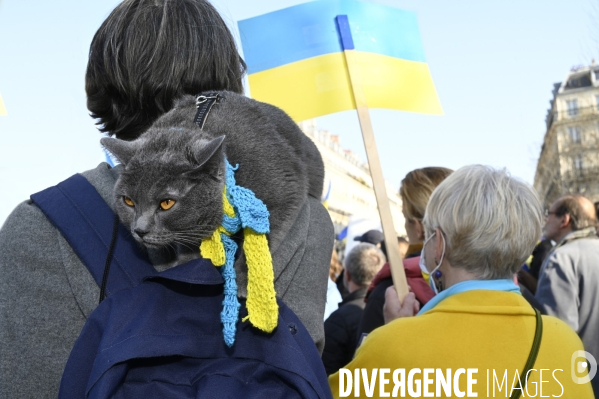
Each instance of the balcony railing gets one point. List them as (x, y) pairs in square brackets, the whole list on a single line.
[(588, 173), (575, 113)]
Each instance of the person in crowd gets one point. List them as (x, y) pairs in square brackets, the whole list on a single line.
[(569, 276), (361, 265), (414, 191), (374, 237), (333, 294), (478, 321), (145, 55), (404, 244), (529, 275)]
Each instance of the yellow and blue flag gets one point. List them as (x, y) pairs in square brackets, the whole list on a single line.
[(325, 199), (295, 59), (2, 108)]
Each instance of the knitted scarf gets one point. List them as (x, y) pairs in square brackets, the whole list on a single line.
[(242, 210)]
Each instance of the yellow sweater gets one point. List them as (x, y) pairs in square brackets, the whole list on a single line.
[(491, 331)]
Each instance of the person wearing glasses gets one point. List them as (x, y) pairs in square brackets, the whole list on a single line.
[(480, 225), (569, 276)]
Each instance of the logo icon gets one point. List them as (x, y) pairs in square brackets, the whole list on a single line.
[(583, 363)]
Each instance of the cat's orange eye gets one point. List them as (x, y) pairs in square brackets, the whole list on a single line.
[(167, 204), (128, 201)]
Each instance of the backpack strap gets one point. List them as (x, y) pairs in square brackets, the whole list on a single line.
[(532, 357), (76, 209)]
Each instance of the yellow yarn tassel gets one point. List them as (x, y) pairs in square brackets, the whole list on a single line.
[(212, 248), (263, 310), (261, 304)]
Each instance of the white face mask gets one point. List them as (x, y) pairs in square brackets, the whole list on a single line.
[(422, 263)]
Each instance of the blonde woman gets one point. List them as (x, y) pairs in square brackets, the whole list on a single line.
[(416, 188), (480, 225)]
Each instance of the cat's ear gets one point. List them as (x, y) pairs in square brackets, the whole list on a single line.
[(121, 149), (203, 152)]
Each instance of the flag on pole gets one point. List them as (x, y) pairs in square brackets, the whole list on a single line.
[(295, 59), (2, 108), (325, 199)]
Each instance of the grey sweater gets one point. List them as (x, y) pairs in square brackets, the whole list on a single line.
[(46, 293)]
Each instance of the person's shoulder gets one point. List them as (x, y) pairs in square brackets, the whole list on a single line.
[(23, 216), (575, 252), (336, 318), (409, 330), (378, 292), (27, 215), (405, 327), (588, 244), (575, 246), (103, 177), (561, 333), (353, 308)]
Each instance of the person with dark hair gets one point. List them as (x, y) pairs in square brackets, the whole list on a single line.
[(569, 276), (374, 237), (130, 83), (145, 55)]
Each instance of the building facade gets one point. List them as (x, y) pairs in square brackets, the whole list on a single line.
[(569, 159), (348, 184)]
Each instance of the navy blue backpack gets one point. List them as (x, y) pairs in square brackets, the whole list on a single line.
[(158, 334)]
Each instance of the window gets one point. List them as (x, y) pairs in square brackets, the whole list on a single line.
[(583, 80), (574, 133), (578, 163), (572, 107)]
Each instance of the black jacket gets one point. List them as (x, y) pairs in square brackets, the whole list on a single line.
[(372, 316), (340, 331)]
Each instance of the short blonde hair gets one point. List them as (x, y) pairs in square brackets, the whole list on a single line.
[(491, 221), (417, 187)]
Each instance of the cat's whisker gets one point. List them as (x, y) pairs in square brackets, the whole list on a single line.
[(189, 242), (188, 246)]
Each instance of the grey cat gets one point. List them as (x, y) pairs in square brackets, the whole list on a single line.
[(170, 191)]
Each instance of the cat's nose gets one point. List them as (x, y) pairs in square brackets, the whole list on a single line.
[(141, 232)]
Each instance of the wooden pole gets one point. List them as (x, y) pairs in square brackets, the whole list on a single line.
[(380, 191)]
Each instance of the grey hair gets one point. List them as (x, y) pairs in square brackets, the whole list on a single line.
[(491, 221), (363, 263)]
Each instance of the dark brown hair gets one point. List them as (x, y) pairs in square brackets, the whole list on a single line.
[(147, 53)]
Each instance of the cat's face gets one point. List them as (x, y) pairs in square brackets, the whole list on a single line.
[(169, 192)]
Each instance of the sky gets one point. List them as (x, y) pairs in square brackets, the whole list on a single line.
[(493, 62)]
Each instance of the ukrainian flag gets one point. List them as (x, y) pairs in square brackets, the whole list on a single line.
[(295, 59), (2, 108), (325, 199)]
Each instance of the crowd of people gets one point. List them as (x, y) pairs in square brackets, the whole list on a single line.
[(494, 283), (482, 232)]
